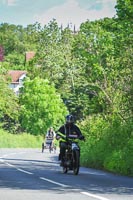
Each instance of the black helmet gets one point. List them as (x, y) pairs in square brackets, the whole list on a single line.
[(69, 119)]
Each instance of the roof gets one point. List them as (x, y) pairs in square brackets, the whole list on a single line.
[(29, 55), (15, 75)]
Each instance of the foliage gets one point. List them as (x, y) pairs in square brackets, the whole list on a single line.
[(41, 106), (124, 9), (23, 140), (9, 106), (108, 145)]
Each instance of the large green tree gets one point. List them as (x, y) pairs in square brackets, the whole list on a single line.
[(41, 106), (9, 106)]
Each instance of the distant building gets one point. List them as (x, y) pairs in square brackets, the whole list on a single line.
[(29, 55), (1, 54), (17, 78)]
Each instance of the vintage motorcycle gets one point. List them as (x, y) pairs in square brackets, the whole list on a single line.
[(72, 154)]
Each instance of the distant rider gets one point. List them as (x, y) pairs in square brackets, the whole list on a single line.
[(50, 135)]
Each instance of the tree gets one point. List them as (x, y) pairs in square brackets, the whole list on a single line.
[(9, 107), (54, 56), (104, 48), (124, 51), (124, 9), (41, 106)]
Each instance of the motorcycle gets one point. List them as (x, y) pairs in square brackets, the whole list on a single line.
[(72, 155)]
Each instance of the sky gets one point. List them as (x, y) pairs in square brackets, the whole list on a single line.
[(72, 12)]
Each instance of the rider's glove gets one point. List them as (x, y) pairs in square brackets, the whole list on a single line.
[(57, 137), (81, 137)]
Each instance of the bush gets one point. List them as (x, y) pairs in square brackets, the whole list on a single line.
[(109, 144), (120, 161)]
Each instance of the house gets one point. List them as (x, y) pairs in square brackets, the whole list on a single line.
[(29, 55), (17, 78)]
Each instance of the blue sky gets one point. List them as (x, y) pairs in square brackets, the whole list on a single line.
[(24, 12)]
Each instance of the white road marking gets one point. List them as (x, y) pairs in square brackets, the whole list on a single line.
[(18, 168), (9, 164), (94, 196), (57, 183), (24, 171)]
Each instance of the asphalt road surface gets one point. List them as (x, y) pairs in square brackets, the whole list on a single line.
[(33, 175)]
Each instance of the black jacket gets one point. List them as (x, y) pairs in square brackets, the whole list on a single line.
[(70, 129)]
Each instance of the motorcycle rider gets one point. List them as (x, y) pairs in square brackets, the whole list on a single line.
[(69, 128)]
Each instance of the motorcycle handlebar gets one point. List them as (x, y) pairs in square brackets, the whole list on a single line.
[(82, 137), (71, 137)]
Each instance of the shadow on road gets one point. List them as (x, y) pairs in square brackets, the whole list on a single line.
[(96, 182)]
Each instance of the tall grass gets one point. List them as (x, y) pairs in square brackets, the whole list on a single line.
[(8, 140)]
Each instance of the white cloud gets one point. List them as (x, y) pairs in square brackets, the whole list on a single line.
[(11, 2), (106, 11), (71, 12), (106, 1)]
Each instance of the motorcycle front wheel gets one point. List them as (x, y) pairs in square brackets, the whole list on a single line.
[(76, 157)]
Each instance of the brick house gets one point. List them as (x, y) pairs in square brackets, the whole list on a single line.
[(17, 78)]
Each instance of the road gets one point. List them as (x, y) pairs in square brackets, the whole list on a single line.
[(30, 174)]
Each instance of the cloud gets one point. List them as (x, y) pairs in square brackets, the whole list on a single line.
[(71, 12), (10, 2), (107, 1)]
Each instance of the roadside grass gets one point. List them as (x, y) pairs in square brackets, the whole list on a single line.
[(24, 140)]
